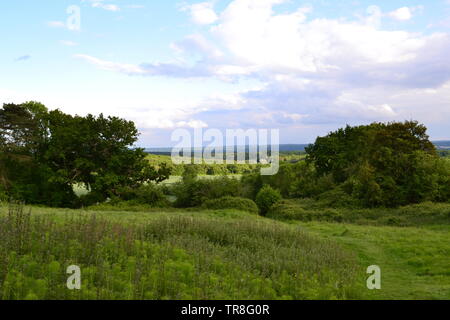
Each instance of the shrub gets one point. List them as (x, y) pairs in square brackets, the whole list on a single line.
[(152, 195), (193, 192), (90, 199), (426, 213), (149, 194), (237, 203), (251, 184), (288, 210), (292, 210), (3, 195), (190, 172), (338, 198), (266, 198)]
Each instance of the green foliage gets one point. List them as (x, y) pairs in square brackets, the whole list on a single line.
[(148, 194), (339, 152), (201, 169), (381, 164), (190, 172), (312, 210), (444, 153), (23, 139), (427, 179), (193, 192), (290, 210), (44, 153), (169, 257), (3, 195), (237, 203), (292, 180), (266, 198), (338, 198)]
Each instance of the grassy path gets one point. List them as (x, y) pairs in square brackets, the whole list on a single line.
[(414, 262)]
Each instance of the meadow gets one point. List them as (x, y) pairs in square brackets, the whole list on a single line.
[(214, 254), (225, 255)]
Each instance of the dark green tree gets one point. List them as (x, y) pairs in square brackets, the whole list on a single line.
[(381, 164), (43, 154)]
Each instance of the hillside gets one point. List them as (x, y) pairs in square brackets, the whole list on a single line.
[(222, 254)]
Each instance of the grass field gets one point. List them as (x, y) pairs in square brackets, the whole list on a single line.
[(224, 254), (414, 262)]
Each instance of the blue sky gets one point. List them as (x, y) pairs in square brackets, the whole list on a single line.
[(304, 67)]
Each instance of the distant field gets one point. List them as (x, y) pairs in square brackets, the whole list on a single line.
[(174, 179)]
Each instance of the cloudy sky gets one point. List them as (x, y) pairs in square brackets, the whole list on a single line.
[(305, 67)]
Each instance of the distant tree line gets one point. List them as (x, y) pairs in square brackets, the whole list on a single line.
[(374, 165)]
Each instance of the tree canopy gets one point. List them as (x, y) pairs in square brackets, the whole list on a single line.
[(44, 153), (382, 164)]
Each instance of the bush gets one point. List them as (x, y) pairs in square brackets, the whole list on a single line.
[(288, 210), (190, 172), (149, 194), (293, 210), (90, 199), (426, 213), (193, 192), (338, 198), (237, 203), (266, 198), (152, 195), (3, 195)]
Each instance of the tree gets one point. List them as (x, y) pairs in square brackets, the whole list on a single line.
[(266, 198), (23, 137), (60, 150), (381, 164)]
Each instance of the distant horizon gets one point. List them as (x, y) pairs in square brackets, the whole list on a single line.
[(435, 142)]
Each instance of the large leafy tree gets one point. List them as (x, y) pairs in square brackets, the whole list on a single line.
[(60, 150), (23, 138), (381, 164)]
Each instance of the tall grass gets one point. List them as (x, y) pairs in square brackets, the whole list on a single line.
[(170, 257), (426, 213)]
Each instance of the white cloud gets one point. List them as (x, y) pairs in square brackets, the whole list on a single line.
[(197, 44), (202, 13), (405, 13), (102, 5), (401, 14), (315, 71), (194, 124), (112, 66), (108, 7)]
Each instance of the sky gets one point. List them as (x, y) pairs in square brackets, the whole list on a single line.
[(303, 67)]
